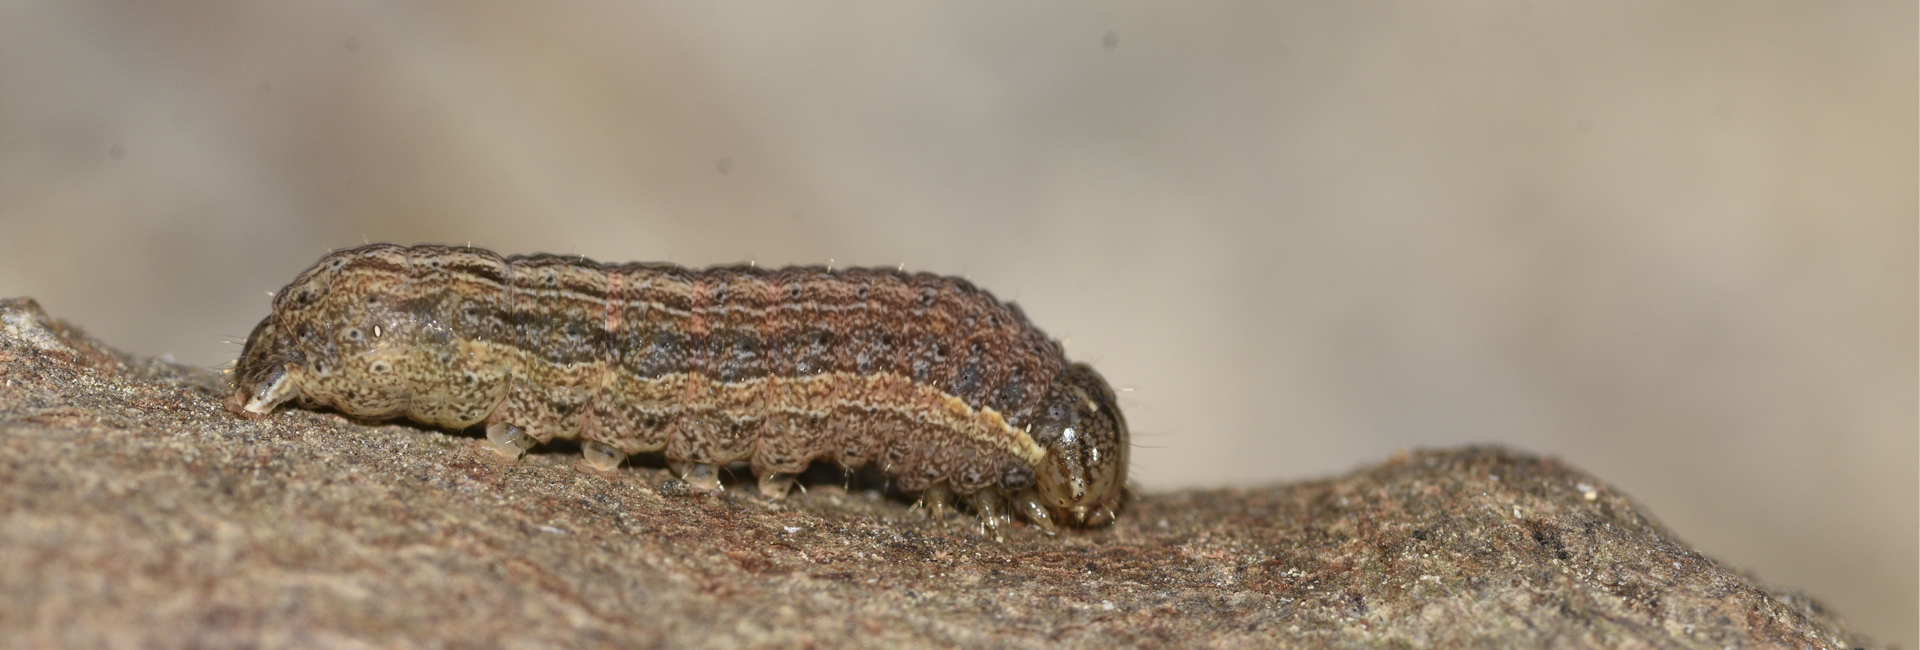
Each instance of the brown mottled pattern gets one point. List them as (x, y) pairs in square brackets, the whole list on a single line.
[(933, 380)]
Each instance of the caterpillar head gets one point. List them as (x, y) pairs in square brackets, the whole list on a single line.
[(1085, 471), (260, 378)]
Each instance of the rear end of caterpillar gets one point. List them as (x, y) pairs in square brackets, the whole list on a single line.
[(949, 392)]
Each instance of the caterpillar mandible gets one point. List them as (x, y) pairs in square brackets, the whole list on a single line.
[(946, 389)]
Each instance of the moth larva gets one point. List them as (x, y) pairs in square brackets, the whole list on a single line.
[(944, 388)]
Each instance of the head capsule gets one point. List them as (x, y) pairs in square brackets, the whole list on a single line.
[(260, 377), (1085, 471)]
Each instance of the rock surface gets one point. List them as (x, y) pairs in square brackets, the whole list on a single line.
[(135, 511)]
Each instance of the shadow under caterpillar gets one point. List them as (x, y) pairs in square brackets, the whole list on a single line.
[(945, 389)]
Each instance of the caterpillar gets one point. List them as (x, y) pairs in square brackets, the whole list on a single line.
[(947, 390)]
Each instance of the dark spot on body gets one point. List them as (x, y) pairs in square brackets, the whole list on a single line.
[(973, 476), (1016, 477), (967, 381)]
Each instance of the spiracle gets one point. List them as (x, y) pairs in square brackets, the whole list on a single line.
[(940, 386)]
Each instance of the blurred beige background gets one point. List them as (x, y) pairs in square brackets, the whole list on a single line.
[(1672, 244)]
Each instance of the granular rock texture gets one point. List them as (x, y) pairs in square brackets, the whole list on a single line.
[(136, 511)]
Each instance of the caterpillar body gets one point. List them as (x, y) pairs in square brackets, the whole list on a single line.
[(945, 389)]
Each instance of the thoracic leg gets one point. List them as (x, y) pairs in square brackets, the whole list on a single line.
[(992, 509), (508, 440), (938, 500), (1029, 504)]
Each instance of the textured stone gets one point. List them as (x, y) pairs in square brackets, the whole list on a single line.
[(136, 511)]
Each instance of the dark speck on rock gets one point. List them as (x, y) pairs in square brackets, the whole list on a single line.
[(674, 487)]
